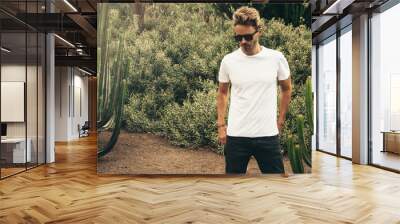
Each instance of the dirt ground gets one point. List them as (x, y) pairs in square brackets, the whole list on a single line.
[(143, 153)]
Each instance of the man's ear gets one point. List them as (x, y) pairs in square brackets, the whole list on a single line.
[(261, 29), (259, 33)]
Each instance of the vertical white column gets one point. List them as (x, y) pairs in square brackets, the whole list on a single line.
[(50, 93), (360, 90)]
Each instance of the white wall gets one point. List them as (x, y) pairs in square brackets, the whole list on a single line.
[(62, 81), (80, 104), (13, 100), (12, 73), (71, 94)]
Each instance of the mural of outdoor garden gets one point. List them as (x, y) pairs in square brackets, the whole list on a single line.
[(158, 65)]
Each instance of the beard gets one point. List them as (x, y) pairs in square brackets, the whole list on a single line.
[(247, 47)]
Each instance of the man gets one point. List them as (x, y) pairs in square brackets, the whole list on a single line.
[(252, 71)]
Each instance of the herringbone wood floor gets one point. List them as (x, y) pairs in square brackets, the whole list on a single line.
[(70, 191)]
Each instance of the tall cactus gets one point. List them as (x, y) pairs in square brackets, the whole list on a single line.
[(295, 159), (117, 123), (102, 39), (111, 89), (115, 102), (301, 152), (305, 151), (298, 156), (309, 104)]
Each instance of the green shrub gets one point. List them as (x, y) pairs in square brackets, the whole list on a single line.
[(135, 119), (193, 124), (294, 43)]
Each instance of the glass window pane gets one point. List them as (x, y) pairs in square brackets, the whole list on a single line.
[(14, 153), (327, 95), (385, 88), (346, 92), (23, 87)]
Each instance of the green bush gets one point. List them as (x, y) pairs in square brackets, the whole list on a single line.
[(294, 43), (135, 119), (193, 124)]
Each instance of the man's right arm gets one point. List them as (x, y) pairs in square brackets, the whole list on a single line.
[(222, 103)]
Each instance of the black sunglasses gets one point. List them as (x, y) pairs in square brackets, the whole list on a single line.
[(247, 37)]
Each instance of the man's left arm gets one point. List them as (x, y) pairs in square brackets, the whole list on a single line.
[(286, 93)]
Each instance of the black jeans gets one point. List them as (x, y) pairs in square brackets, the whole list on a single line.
[(266, 150)]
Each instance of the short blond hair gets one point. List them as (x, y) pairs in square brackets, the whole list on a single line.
[(247, 16)]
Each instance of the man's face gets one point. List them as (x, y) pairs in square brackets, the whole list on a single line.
[(247, 45)]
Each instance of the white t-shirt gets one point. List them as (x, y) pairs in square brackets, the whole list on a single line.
[(253, 104)]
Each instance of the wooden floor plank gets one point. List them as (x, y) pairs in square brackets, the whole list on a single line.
[(70, 191)]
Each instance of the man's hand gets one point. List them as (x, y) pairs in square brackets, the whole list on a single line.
[(222, 135)]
